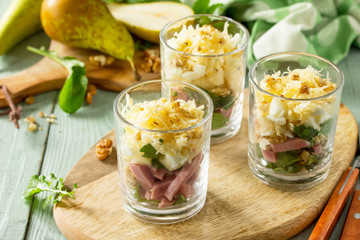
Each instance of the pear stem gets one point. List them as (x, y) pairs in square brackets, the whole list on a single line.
[(136, 74)]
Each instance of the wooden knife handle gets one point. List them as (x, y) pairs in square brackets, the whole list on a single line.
[(335, 205), (351, 229)]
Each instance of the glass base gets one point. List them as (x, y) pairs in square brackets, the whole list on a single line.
[(172, 214), (288, 182)]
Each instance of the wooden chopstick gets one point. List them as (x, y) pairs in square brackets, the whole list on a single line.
[(334, 207)]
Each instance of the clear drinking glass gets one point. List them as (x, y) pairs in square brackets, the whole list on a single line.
[(163, 173), (212, 58), (290, 139)]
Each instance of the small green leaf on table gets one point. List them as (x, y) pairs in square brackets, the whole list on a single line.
[(72, 94)]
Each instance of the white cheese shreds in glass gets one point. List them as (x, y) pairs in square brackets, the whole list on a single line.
[(209, 66), (175, 149)]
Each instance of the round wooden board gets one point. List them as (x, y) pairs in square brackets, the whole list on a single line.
[(238, 206)]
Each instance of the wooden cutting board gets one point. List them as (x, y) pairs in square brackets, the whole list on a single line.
[(47, 75), (238, 206)]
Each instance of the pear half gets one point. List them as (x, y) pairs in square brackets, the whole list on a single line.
[(147, 19)]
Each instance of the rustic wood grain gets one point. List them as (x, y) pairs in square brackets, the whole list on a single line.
[(351, 230), (21, 153), (67, 141), (47, 75), (237, 206)]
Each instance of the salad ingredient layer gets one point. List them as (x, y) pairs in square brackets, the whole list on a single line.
[(162, 166), (204, 62), (292, 135)]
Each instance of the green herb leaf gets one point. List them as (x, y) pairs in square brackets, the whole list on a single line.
[(143, 45), (288, 162), (149, 151), (51, 184), (161, 141), (219, 7), (181, 199), (137, 194), (224, 102), (72, 94), (304, 132), (326, 127), (200, 6), (218, 121)]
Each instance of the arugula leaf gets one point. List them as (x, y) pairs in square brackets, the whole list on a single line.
[(72, 94), (218, 121), (225, 102), (325, 128), (51, 184), (137, 194), (149, 151), (200, 6), (181, 199), (305, 133), (143, 44), (204, 7), (288, 162)]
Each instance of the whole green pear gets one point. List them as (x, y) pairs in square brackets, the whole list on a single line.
[(86, 24), (21, 19)]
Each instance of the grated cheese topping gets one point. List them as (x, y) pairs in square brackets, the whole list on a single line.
[(225, 73), (298, 84), (164, 115), (204, 40)]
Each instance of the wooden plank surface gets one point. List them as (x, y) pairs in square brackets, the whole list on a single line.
[(232, 209)]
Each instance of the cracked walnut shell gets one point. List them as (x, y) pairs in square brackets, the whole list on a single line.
[(103, 149)]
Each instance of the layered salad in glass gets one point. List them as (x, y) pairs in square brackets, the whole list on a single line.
[(162, 167), (291, 135), (212, 58)]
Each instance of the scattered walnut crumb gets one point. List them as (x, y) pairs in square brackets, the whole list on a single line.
[(51, 120), (101, 60), (32, 127), (30, 119), (32, 124), (52, 116), (222, 91), (151, 61), (305, 155), (275, 139), (304, 89), (103, 149), (29, 100), (90, 92), (40, 128), (41, 114)]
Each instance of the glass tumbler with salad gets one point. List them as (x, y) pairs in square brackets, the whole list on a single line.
[(293, 110), (209, 52), (163, 144)]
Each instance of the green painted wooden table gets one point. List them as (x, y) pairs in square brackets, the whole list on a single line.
[(57, 147)]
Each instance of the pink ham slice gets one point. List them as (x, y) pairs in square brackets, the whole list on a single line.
[(269, 155), (317, 148), (160, 187), (185, 174), (226, 113), (165, 203), (159, 173), (186, 190), (143, 175), (290, 144)]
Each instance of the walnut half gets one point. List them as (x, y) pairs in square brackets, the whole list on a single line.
[(103, 149)]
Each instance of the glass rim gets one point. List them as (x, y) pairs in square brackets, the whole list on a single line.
[(244, 41), (294, 53), (123, 93)]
